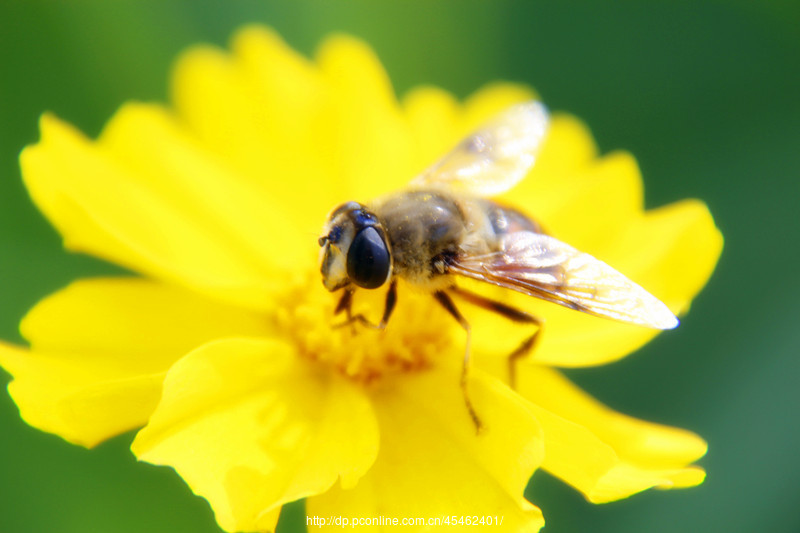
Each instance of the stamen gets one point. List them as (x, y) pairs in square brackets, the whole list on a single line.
[(414, 337)]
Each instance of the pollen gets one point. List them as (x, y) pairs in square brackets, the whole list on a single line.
[(416, 336)]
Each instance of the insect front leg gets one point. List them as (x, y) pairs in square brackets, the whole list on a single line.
[(451, 308), (346, 302), (513, 314), (345, 305)]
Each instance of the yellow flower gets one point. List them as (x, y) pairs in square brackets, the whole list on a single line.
[(222, 346)]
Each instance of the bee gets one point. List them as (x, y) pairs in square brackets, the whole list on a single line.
[(445, 227)]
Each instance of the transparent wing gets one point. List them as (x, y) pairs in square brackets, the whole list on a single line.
[(493, 159), (541, 266)]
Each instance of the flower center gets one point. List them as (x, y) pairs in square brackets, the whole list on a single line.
[(417, 333)]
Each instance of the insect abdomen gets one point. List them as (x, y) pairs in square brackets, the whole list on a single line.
[(507, 219)]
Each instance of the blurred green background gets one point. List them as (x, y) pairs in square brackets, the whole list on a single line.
[(705, 94)]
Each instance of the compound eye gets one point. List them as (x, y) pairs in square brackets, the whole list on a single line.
[(368, 259)]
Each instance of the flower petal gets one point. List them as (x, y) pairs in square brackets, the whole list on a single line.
[(100, 349), (434, 116), (85, 399), (140, 323), (606, 455), (147, 140), (568, 147), (376, 153), (296, 108), (589, 205), (489, 101), (672, 251), (104, 207), (431, 462), (250, 426), (268, 112)]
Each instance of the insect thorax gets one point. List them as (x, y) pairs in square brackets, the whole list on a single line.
[(423, 227)]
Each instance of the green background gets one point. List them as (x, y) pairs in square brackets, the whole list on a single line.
[(705, 94)]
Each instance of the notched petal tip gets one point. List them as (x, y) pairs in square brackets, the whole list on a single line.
[(250, 426), (198, 55), (500, 95), (492, 99), (605, 455), (84, 400), (355, 66), (625, 480), (48, 121), (52, 131), (681, 246), (256, 32), (686, 478), (347, 46)]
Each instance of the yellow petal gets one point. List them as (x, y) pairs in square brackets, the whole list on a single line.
[(83, 398), (373, 143), (606, 455), (568, 147), (671, 252), (431, 462), (210, 94), (250, 426), (491, 100), (147, 141), (434, 117), (105, 208), (298, 119), (100, 349), (587, 206), (268, 112), (143, 324)]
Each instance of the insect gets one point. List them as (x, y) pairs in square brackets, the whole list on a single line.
[(445, 226)]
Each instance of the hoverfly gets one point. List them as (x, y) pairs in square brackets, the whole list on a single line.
[(445, 226)]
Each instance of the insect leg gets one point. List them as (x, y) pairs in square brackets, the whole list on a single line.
[(388, 307), (345, 305), (346, 302), (448, 304), (513, 314)]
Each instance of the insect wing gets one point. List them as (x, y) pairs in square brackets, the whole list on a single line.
[(541, 266), (493, 159)]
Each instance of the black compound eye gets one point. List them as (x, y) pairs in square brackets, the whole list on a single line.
[(368, 259)]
